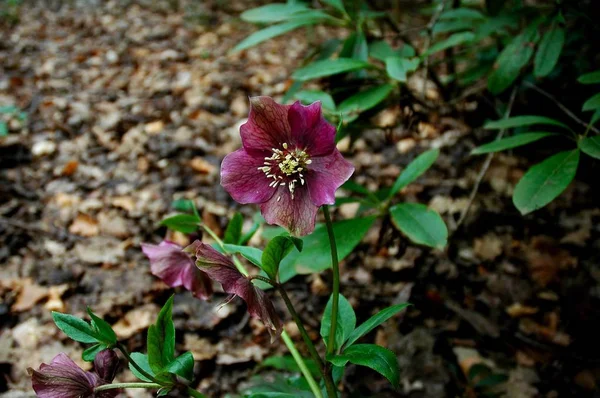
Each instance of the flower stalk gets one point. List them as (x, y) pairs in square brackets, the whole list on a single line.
[(336, 282), (126, 385), (124, 351)]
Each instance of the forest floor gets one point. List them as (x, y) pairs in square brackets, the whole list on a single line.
[(132, 107)]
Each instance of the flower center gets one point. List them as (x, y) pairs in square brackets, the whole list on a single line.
[(285, 167)]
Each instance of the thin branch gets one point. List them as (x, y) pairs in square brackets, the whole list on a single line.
[(430, 27), (486, 164)]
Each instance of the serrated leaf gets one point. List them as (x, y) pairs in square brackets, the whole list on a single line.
[(142, 361), (274, 31), (414, 170), (592, 103), (182, 366), (374, 321), (591, 146), (365, 100), (161, 339), (398, 67), (346, 321), (373, 356), (590, 78), (76, 328), (454, 40), (419, 224), (273, 12), (521, 121), (89, 354), (328, 68), (309, 96), (185, 223), (510, 142), (548, 51), (233, 233), (277, 249), (251, 254), (105, 332), (545, 181)]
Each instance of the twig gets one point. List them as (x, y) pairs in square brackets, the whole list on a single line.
[(428, 39), (560, 105), (486, 164)]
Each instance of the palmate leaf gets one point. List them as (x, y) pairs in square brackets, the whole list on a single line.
[(76, 328)]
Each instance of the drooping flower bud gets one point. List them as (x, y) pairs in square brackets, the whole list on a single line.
[(106, 365)]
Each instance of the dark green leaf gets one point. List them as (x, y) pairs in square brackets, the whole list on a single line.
[(329, 67), (273, 12), (398, 67), (509, 142), (374, 321), (373, 356), (590, 78), (104, 331), (183, 205), (337, 4), (545, 181), (419, 224), (252, 254), (185, 223), (182, 366), (381, 50), (161, 339), (310, 96), (355, 46), (365, 100), (520, 121), (492, 380), (3, 129), (233, 233), (277, 249), (142, 361), (414, 170), (462, 13), (591, 146), (316, 255), (592, 103), (452, 26), (345, 324), (274, 31), (548, 51), (76, 328), (90, 353), (452, 41)]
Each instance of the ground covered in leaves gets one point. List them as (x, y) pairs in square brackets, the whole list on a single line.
[(132, 106)]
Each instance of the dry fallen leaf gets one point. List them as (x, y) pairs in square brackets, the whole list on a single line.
[(84, 225)]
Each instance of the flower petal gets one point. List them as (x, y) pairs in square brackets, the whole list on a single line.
[(243, 180), (176, 268), (106, 364), (62, 378), (297, 215), (310, 130), (267, 126), (326, 174)]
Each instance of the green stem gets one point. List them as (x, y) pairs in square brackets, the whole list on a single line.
[(126, 385), (123, 349), (194, 393), (331, 392), (336, 282)]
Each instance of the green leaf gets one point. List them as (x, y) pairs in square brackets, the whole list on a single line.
[(346, 321), (397, 67), (520, 121), (355, 46), (329, 67), (273, 12), (414, 170), (142, 361), (509, 142), (545, 181), (161, 339), (233, 233), (461, 13), (548, 51), (277, 249), (337, 4), (309, 96), (592, 103), (76, 328), (103, 329), (373, 356), (251, 254), (419, 224), (183, 205), (590, 78), (316, 255), (591, 146), (381, 50), (182, 366), (274, 31), (185, 223), (90, 353), (452, 41), (453, 25), (365, 100), (374, 321), (3, 129)]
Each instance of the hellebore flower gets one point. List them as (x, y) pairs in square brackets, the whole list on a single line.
[(176, 268), (288, 164), (221, 269), (62, 378)]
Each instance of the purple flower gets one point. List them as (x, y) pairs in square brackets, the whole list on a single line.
[(222, 270), (288, 163), (176, 268), (62, 378)]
